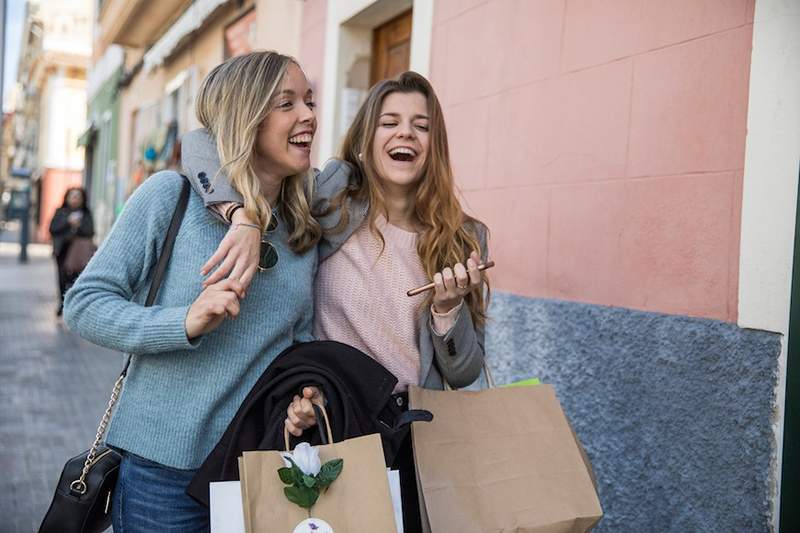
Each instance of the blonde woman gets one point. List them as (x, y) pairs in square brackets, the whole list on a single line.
[(414, 230), (196, 354)]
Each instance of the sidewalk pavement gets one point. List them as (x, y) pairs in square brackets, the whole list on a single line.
[(54, 388)]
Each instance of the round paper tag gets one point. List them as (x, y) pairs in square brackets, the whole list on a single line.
[(313, 525)]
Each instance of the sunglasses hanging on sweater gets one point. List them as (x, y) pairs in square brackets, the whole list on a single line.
[(269, 254)]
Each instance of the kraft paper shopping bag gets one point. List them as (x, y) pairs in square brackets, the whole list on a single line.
[(358, 500), (501, 460)]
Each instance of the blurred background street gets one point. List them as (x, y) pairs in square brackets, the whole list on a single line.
[(55, 386), (636, 162)]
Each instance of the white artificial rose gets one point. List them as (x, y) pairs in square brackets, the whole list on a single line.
[(305, 457)]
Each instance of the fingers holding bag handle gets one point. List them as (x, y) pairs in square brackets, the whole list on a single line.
[(325, 432), (300, 414)]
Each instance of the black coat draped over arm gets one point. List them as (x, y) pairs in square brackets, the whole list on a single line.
[(357, 392)]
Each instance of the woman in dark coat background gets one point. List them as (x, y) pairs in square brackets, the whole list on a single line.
[(72, 220)]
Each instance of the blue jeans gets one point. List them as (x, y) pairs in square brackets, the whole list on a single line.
[(151, 497)]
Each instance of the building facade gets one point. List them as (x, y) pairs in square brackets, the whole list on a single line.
[(101, 178), (51, 102), (150, 58), (6, 155), (637, 164)]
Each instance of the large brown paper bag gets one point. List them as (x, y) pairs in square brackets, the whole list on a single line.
[(501, 460), (359, 499)]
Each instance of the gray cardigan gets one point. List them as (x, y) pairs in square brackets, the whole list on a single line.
[(459, 354)]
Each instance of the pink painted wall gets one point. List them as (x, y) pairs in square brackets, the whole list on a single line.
[(603, 143), (55, 182)]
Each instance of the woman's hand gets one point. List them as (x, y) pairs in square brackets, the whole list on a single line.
[(238, 253), (214, 304), (451, 285), (74, 219), (300, 414)]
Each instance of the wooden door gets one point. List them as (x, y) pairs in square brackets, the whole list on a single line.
[(391, 48)]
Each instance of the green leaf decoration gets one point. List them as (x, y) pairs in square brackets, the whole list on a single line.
[(298, 474), (301, 495), (304, 490), (329, 472), (312, 495), (286, 475), (294, 495), (295, 475)]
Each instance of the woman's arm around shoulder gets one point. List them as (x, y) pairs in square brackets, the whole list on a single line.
[(335, 177), (237, 255), (201, 165)]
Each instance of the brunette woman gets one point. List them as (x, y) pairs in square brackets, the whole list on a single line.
[(71, 221)]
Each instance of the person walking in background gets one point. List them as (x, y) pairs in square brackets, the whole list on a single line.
[(72, 224)]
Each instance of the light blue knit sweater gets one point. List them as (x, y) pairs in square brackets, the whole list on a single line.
[(179, 396)]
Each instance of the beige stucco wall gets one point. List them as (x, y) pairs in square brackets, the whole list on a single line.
[(202, 53), (279, 25), (143, 89)]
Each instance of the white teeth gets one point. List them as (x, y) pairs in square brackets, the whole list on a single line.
[(302, 138), (402, 150)]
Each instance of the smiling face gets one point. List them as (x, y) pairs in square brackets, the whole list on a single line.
[(283, 145), (402, 140)]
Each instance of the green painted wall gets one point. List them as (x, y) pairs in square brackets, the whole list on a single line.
[(107, 185), (790, 482)]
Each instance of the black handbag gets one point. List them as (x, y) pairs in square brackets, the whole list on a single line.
[(82, 502)]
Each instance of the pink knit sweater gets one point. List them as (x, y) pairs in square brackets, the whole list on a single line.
[(361, 299)]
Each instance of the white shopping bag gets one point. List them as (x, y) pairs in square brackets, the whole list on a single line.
[(397, 500), (227, 514)]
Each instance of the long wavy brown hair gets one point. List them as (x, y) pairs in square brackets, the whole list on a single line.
[(232, 103), (448, 234)]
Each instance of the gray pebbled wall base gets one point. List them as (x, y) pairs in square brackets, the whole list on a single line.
[(674, 411)]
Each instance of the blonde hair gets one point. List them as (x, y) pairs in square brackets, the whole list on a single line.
[(449, 234), (232, 103)]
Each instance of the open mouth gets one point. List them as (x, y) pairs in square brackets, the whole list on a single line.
[(402, 153), (302, 140)]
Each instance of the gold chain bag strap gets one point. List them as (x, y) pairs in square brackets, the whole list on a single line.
[(82, 501)]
